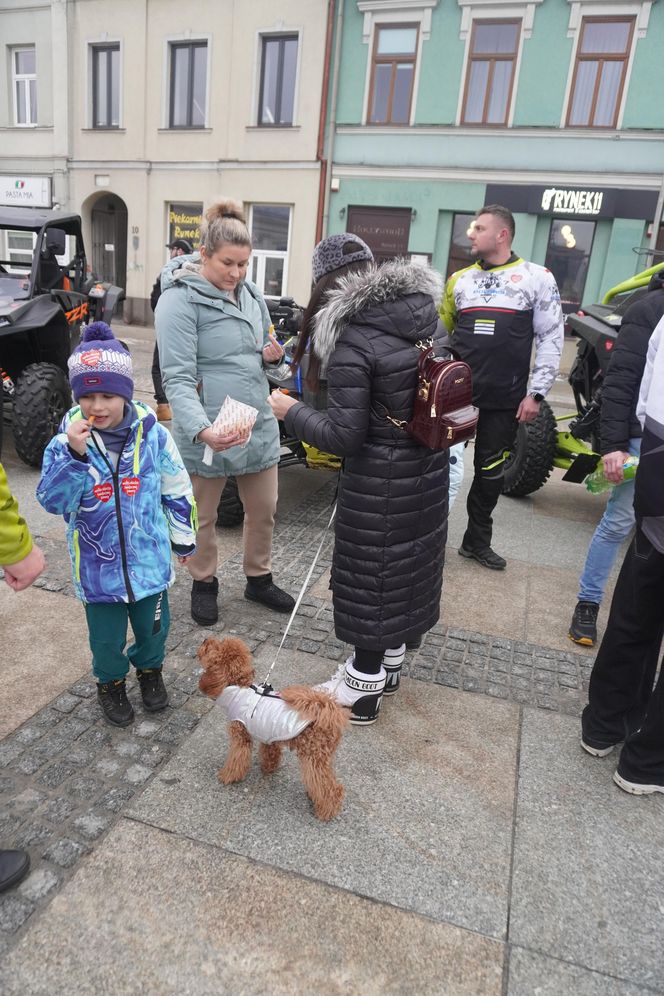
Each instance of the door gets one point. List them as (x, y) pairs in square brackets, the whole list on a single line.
[(109, 240)]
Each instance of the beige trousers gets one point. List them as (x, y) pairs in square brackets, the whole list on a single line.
[(259, 497)]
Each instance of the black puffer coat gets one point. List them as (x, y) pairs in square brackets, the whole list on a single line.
[(391, 523), (620, 392)]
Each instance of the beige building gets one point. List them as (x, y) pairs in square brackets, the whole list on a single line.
[(138, 113)]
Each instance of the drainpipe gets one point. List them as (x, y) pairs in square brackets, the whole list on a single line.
[(657, 220), (325, 93), (333, 113)]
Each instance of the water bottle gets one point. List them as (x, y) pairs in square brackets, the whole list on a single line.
[(597, 482)]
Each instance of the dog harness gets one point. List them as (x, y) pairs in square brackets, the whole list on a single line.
[(264, 714)]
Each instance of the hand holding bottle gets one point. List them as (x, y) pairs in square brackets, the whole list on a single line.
[(598, 481)]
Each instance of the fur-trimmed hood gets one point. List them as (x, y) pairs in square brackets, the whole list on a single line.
[(372, 293)]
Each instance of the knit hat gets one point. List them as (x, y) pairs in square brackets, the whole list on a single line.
[(329, 255), (100, 364)]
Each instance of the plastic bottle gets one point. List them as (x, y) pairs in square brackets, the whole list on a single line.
[(597, 482)]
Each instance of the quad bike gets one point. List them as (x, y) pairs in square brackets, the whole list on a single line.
[(542, 444), (46, 295), (286, 318)]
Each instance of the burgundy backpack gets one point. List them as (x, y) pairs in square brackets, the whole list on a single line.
[(443, 412)]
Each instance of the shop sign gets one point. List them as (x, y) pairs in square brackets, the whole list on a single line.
[(184, 222), (385, 230), (25, 191), (581, 202)]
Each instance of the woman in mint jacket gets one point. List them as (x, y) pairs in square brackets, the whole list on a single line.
[(213, 332)]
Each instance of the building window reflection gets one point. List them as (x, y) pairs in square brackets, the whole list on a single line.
[(567, 256)]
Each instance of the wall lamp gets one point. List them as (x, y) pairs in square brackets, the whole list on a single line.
[(413, 214), (342, 212)]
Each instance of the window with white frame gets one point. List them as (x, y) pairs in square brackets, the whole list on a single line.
[(600, 71), (276, 99), (270, 235), (106, 86), (24, 84), (16, 247), (188, 84), (494, 46)]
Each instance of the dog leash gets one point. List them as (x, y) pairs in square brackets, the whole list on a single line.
[(265, 686)]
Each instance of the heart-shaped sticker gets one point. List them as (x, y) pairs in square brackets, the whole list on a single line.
[(91, 357), (130, 485), (103, 491)]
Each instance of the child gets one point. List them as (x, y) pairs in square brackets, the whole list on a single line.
[(116, 475)]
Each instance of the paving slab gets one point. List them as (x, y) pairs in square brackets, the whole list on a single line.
[(531, 973), (157, 913), (427, 819), (588, 882), (31, 677)]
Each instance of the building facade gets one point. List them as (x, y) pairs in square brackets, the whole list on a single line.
[(138, 114), (548, 106)]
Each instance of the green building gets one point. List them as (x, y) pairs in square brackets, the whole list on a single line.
[(551, 107)]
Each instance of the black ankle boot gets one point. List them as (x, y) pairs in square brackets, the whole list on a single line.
[(204, 609), (153, 690), (262, 589), (14, 865), (115, 705)]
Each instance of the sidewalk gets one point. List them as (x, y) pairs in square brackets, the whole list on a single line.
[(479, 850)]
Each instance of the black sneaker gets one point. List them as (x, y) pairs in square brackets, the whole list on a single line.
[(153, 690), (486, 557), (262, 589), (14, 865), (595, 748), (115, 705), (637, 788), (204, 609), (583, 628)]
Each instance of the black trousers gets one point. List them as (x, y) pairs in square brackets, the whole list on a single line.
[(621, 697), (159, 394), (496, 432)]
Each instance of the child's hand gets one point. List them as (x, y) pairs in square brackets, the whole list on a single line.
[(183, 558), (78, 434)]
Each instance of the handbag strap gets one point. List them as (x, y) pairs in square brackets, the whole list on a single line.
[(425, 347)]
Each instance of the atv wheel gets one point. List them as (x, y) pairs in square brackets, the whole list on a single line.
[(41, 398), (531, 461), (230, 511)]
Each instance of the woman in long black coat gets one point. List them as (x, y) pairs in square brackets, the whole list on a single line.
[(361, 328)]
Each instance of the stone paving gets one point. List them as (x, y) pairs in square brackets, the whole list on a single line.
[(66, 776)]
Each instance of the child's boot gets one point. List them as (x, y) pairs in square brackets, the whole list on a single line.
[(115, 705), (357, 691), (153, 690)]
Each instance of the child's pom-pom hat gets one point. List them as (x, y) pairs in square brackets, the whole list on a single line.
[(100, 364)]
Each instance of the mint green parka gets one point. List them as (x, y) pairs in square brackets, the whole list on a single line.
[(209, 348)]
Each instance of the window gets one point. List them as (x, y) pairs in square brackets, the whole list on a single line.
[(105, 86), (270, 231), (490, 73), (567, 256), (20, 250), (599, 73), (277, 88), (460, 255), (188, 84), (392, 74), (24, 85)]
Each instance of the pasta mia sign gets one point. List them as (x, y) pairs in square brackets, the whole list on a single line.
[(25, 191), (582, 202)]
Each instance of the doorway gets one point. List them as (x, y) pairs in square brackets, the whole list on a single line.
[(108, 255)]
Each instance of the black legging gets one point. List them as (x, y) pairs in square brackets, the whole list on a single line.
[(368, 661)]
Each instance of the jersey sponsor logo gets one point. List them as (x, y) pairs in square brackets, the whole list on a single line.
[(484, 326), (516, 277)]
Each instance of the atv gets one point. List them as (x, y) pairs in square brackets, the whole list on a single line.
[(46, 295), (541, 444), (287, 319)]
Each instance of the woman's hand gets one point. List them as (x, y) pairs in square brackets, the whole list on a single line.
[(218, 442), (272, 351), (280, 403)]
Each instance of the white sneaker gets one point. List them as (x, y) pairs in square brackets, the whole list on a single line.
[(354, 690)]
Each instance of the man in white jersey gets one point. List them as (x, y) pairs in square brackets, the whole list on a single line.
[(494, 310)]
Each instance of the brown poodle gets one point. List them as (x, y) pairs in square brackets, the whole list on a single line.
[(308, 721)]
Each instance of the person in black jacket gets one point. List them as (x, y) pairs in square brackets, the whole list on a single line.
[(620, 435), (178, 248), (363, 324), (623, 705)]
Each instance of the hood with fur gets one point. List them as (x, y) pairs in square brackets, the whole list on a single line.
[(369, 291)]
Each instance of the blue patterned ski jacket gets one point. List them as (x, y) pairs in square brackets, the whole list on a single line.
[(121, 523)]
